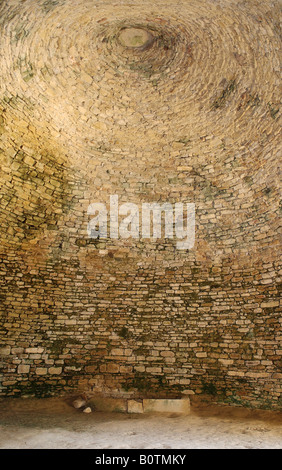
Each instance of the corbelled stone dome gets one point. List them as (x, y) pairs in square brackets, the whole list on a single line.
[(155, 102)]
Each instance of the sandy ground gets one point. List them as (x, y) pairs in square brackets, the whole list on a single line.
[(54, 424)]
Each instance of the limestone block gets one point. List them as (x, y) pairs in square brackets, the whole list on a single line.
[(79, 403), (270, 304), (108, 404), (181, 406), (23, 369), (55, 370), (134, 406), (87, 410), (34, 350), (41, 371), (5, 351)]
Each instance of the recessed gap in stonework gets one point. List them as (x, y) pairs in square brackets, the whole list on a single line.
[(135, 38)]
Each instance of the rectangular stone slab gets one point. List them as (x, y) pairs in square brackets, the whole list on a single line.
[(181, 406)]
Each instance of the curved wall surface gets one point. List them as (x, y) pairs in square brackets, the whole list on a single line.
[(151, 102)]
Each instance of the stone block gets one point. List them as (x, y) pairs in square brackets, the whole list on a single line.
[(55, 370), (181, 406), (108, 404), (23, 369), (134, 406), (41, 371), (5, 351), (270, 304), (34, 350)]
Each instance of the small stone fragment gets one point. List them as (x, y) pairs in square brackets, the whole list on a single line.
[(79, 403), (87, 410)]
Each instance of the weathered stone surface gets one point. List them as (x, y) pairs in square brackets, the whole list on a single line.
[(109, 404), (134, 406), (55, 370), (5, 351), (79, 403), (171, 102), (87, 410), (181, 406), (41, 371), (23, 369)]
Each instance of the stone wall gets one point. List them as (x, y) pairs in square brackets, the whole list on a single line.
[(191, 116)]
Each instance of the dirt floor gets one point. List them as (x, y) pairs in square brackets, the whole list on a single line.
[(55, 424)]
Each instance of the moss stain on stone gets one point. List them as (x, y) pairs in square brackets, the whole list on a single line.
[(221, 100)]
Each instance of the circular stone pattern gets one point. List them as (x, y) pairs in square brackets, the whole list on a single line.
[(135, 37), (156, 102)]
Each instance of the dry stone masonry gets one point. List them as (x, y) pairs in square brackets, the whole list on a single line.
[(153, 101)]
